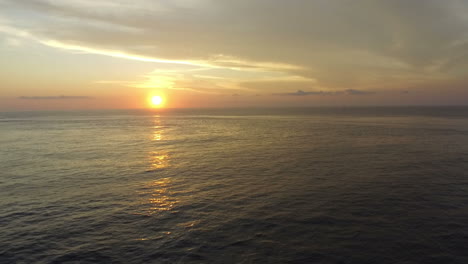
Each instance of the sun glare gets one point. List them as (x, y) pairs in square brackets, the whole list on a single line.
[(157, 101)]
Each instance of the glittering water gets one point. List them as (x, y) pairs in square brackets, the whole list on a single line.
[(350, 185)]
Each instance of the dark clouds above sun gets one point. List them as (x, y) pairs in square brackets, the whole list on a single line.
[(260, 46)]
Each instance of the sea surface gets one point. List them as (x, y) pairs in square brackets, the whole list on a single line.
[(303, 185)]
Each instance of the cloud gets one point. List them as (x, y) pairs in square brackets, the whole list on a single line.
[(357, 92), (360, 45), (188, 81), (61, 97), (304, 93), (13, 42)]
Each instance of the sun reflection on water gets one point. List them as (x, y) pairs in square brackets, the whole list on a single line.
[(157, 192), (158, 129), (160, 197), (157, 197), (158, 160)]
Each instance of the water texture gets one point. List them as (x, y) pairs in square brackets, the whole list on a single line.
[(318, 185)]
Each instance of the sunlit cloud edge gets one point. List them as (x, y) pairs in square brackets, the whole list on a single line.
[(219, 61)]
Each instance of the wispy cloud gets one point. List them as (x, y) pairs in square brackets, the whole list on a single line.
[(305, 93), (378, 43), (61, 97), (219, 61), (357, 92), (302, 93)]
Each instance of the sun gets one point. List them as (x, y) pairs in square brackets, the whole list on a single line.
[(157, 101)]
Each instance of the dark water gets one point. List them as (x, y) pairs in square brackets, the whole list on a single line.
[(350, 185)]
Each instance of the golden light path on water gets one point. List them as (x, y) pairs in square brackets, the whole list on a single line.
[(157, 193)]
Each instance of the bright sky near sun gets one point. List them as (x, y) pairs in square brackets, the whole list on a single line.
[(201, 53)]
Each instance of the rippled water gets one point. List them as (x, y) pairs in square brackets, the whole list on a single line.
[(350, 185)]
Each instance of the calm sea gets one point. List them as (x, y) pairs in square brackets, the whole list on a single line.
[(317, 185)]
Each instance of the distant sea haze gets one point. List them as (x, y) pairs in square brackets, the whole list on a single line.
[(303, 185), (61, 97)]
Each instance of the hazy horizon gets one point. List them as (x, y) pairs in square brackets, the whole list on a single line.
[(253, 107)]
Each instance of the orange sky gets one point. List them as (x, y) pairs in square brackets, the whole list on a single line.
[(83, 54)]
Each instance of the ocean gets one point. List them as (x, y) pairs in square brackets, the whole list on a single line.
[(299, 185)]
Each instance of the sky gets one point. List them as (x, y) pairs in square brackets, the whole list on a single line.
[(87, 54)]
